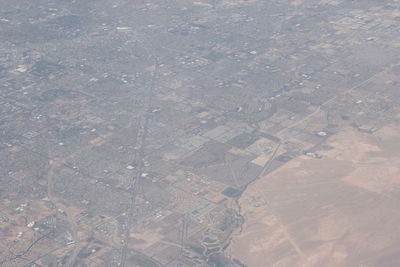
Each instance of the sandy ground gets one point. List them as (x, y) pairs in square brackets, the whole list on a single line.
[(341, 210)]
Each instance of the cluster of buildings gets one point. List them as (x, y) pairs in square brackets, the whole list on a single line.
[(130, 129)]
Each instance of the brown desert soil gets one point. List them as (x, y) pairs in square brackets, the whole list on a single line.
[(341, 210)]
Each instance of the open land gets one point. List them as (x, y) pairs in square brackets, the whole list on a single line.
[(340, 210)]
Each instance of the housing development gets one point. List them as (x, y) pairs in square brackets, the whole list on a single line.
[(199, 133)]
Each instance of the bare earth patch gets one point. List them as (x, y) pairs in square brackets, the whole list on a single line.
[(341, 210)]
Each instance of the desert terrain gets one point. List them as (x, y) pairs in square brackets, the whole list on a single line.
[(340, 210)]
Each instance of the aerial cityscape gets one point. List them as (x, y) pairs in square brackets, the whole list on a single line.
[(237, 133)]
